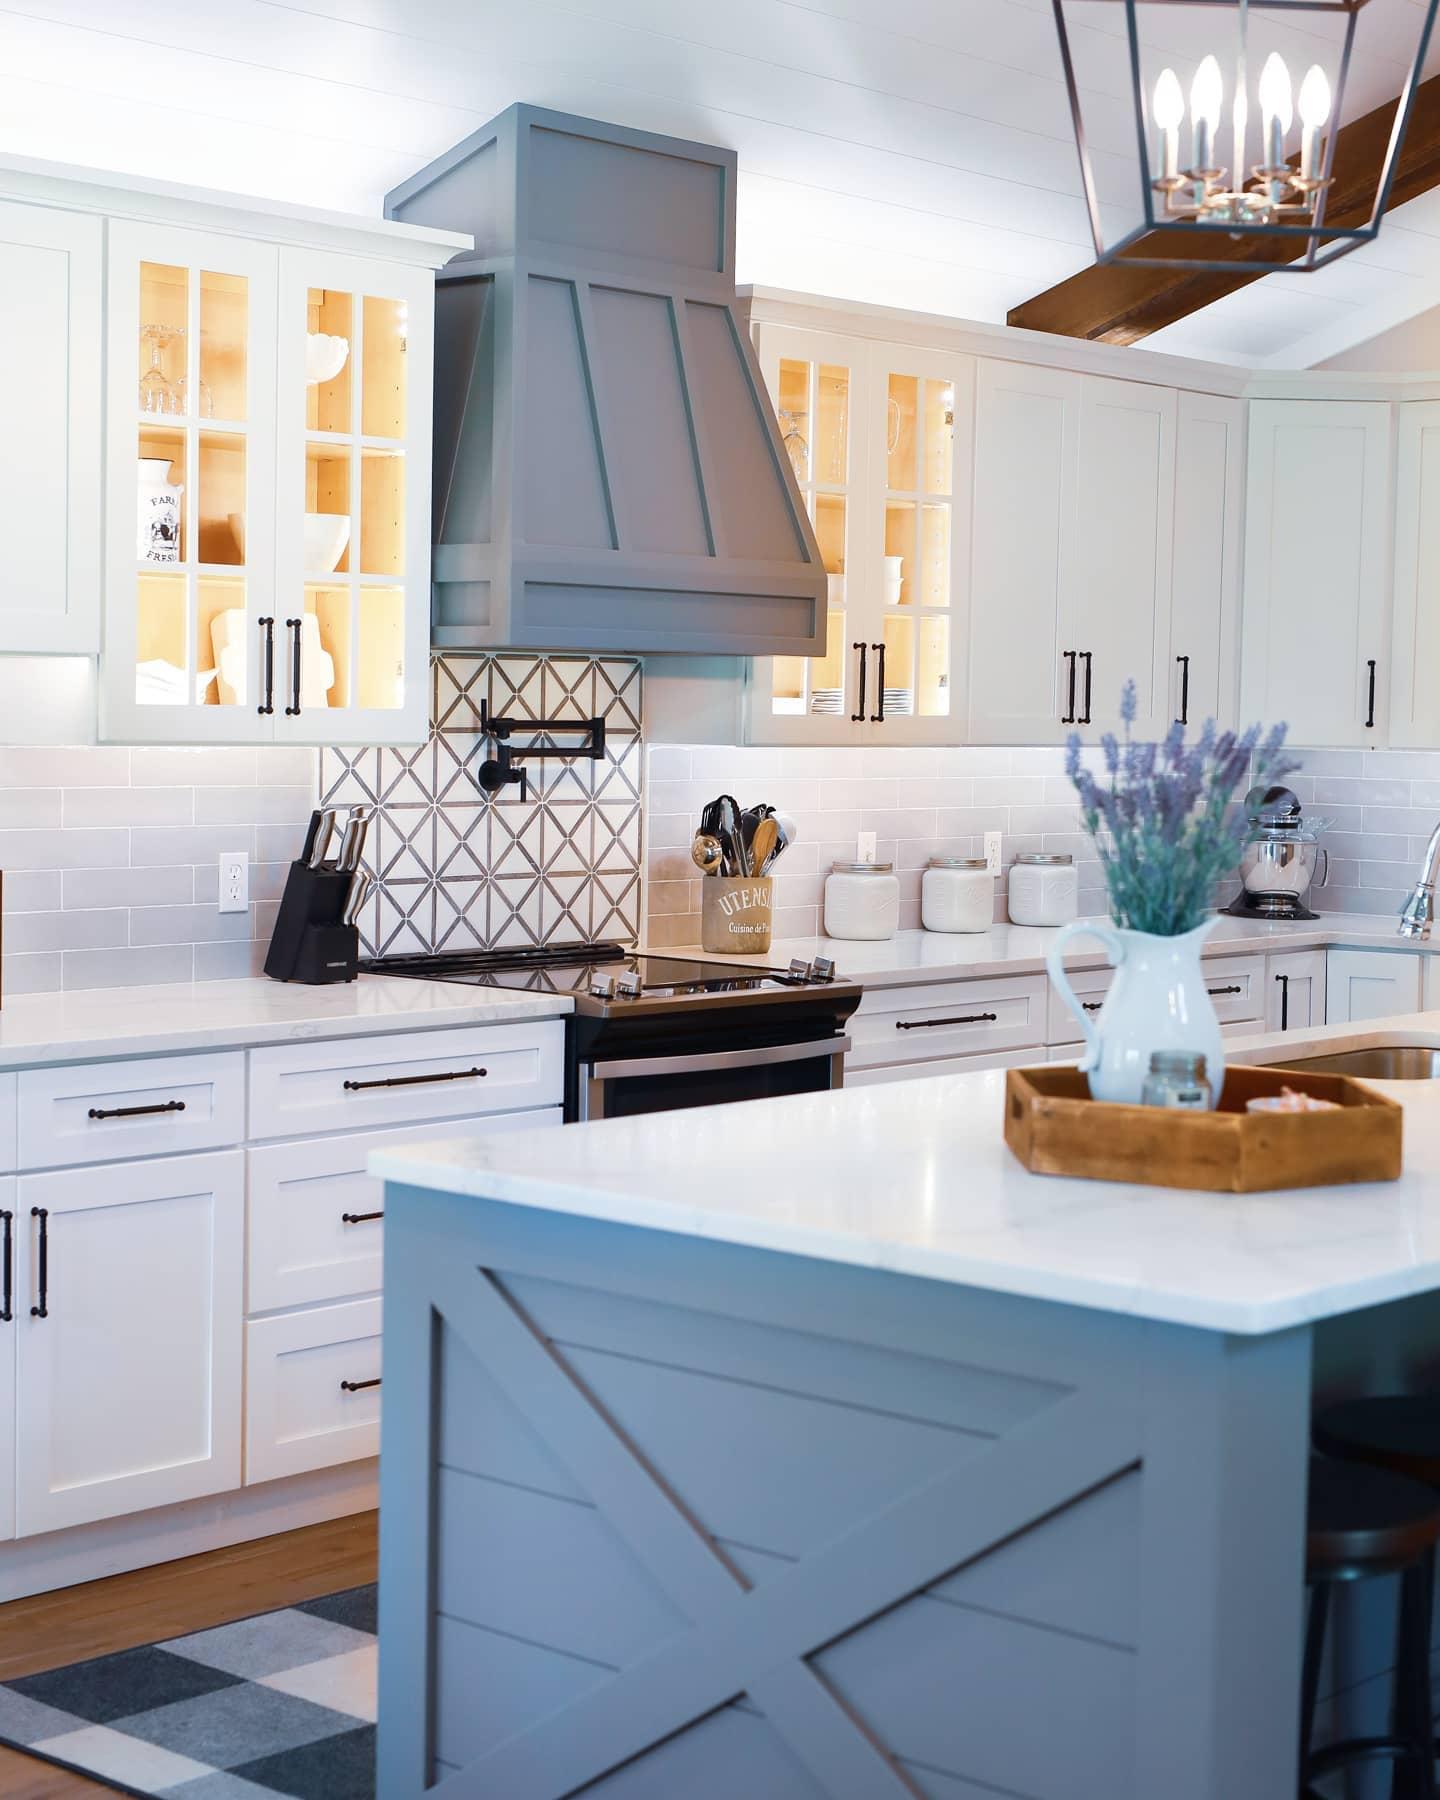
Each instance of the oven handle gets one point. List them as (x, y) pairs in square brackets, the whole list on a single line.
[(720, 1060)]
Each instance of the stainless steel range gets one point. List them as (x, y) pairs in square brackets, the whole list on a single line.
[(651, 1033)]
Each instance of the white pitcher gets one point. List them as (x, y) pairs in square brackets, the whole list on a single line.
[(1157, 1001)]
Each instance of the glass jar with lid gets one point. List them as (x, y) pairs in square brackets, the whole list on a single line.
[(957, 893), (1044, 889), (862, 900)]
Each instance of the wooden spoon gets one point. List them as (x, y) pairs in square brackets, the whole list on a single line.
[(763, 846)]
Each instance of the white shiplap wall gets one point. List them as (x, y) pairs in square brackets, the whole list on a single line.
[(914, 153)]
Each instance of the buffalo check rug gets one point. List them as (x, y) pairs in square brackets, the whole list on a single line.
[(281, 1703)]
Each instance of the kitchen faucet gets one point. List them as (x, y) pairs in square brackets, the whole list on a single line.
[(1419, 910)]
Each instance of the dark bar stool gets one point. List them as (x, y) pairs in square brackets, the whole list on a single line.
[(1364, 1522)]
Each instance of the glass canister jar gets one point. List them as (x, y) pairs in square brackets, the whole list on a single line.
[(1044, 889), (957, 893), (862, 900)]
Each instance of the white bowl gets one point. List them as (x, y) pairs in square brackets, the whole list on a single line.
[(326, 535), (324, 356)]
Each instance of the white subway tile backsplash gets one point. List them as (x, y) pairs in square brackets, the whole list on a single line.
[(923, 803), (127, 967), (30, 808), (129, 806)]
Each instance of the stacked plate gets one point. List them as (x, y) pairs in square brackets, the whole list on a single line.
[(900, 702), (827, 700)]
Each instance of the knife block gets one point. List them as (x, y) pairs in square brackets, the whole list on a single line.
[(311, 942)]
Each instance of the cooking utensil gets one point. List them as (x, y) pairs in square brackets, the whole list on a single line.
[(763, 849), (359, 891), (789, 831), (707, 853), (731, 834)]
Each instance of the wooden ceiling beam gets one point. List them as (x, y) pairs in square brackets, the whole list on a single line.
[(1116, 303)]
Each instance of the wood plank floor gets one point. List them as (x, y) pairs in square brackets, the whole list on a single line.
[(149, 1605)]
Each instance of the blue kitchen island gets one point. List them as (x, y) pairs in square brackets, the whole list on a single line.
[(812, 1449)]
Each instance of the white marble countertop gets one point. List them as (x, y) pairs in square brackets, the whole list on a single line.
[(40, 1029), (1020, 949), (916, 1177)]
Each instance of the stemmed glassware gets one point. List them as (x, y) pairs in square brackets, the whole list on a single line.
[(158, 394)]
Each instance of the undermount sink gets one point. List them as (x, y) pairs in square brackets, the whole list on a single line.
[(1381, 1062)]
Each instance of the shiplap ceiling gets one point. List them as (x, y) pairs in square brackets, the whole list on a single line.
[(906, 152)]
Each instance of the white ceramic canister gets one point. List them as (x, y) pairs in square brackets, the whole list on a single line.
[(862, 900), (1044, 889), (957, 893)]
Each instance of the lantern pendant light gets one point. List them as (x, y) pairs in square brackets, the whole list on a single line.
[(1212, 197)]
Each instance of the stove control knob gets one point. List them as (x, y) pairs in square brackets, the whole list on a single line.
[(799, 969), (823, 968), (628, 985), (603, 987)]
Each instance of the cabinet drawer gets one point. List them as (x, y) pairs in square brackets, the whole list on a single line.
[(311, 1235), (1236, 985), (945, 1065), (98, 1111), (944, 1019), (405, 1077), (299, 1415)]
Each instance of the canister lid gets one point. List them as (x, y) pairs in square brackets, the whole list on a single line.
[(1046, 859), (958, 862), (862, 868)]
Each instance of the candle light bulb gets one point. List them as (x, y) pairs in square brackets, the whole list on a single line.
[(1169, 106), (1314, 97), (1207, 92), (1239, 172), (1276, 103)]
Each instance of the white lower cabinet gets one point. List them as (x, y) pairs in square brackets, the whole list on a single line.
[(129, 1296), (1370, 984), (944, 1065), (312, 1389), (1295, 990)]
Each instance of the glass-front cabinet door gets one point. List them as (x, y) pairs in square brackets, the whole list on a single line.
[(818, 388), (925, 408), (353, 521), (881, 442), (190, 485)]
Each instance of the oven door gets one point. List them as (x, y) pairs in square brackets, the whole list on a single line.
[(620, 1089)]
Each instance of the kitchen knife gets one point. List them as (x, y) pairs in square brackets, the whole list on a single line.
[(323, 836), (359, 893), (353, 842), (317, 818)]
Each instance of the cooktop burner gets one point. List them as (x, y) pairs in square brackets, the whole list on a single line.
[(601, 975)]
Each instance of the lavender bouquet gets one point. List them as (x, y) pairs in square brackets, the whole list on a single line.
[(1163, 826)]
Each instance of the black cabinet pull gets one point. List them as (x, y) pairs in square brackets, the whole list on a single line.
[(857, 717), (292, 711), (1184, 662), (1284, 981), (1370, 710), (1085, 717), (961, 1019), (1068, 716), (7, 1274), (878, 718), (359, 1218), (267, 661), (1235, 989), (136, 1112), (393, 1081), (1091, 1005), (354, 1387), (42, 1311)]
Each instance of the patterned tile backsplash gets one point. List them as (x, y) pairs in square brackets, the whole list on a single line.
[(111, 861), (922, 803), (456, 869)]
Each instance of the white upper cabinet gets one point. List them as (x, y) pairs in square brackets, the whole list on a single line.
[(268, 493), (880, 438), (51, 281), (1125, 498), (1414, 693), (1023, 672), (1315, 647), (1205, 566)]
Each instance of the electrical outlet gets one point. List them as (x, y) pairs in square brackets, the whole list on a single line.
[(234, 880), (865, 847), (992, 851)]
